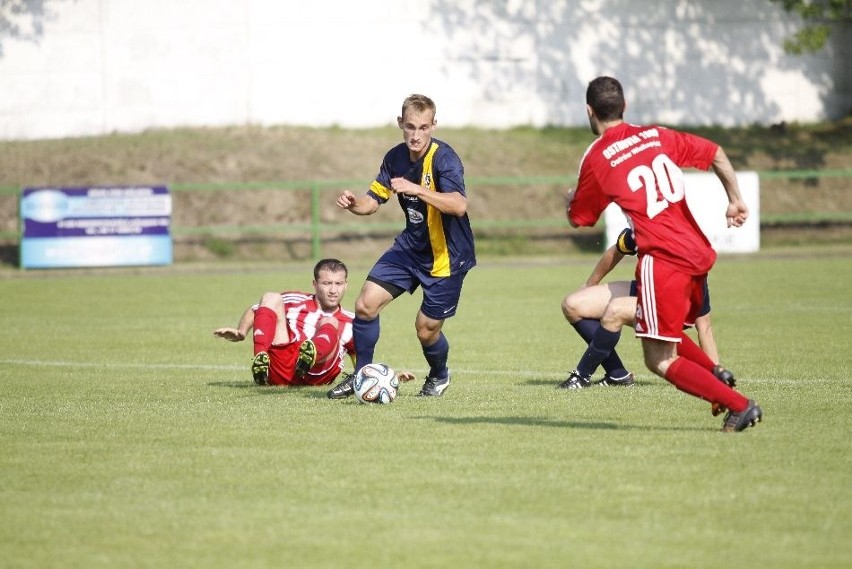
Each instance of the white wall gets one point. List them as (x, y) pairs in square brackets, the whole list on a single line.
[(85, 67)]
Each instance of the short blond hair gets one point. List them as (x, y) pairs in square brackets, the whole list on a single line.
[(419, 104)]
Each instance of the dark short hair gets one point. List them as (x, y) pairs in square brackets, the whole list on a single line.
[(606, 98), (331, 265)]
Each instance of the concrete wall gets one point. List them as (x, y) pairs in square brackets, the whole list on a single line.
[(86, 67)]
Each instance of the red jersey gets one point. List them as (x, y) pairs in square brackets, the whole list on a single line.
[(639, 168), (302, 313)]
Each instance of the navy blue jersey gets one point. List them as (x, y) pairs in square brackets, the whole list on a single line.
[(442, 244)]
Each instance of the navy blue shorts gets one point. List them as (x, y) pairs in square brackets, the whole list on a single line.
[(705, 308), (397, 272)]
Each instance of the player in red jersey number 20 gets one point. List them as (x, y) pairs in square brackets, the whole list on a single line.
[(639, 168)]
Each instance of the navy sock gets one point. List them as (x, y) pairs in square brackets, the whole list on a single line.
[(366, 336), (436, 356), (612, 363), (599, 349), (586, 328)]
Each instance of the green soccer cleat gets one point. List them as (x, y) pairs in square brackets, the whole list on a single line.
[(307, 358), (260, 368)]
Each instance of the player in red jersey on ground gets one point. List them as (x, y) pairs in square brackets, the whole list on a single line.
[(299, 338), (639, 168)]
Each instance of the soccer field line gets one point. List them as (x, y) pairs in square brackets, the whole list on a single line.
[(128, 365), (523, 373), (49, 363)]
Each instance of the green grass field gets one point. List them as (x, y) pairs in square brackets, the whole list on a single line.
[(131, 437)]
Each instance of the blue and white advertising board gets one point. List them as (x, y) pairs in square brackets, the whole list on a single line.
[(95, 226), (707, 201)]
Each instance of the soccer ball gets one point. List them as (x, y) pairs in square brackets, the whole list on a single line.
[(376, 383)]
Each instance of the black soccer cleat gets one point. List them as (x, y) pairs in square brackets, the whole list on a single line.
[(260, 368), (575, 381), (609, 381), (344, 389), (434, 386), (725, 376), (749, 417)]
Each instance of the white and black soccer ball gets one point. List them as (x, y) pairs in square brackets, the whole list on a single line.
[(376, 383)]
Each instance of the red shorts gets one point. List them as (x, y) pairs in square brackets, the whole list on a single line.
[(282, 367), (666, 299)]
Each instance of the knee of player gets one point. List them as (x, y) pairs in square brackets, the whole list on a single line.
[(427, 329), (365, 310), (271, 299), (659, 360), (570, 308), (619, 314), (427, 336), (657, 366)]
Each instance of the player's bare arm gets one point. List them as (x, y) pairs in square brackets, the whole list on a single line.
[(451, 203), (359, 205), (737, 211), (239, 333), (604, 266)]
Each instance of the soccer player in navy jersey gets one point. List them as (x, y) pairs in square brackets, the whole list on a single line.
[(639, 168), (599, 311), (585, 307), (434, 251)]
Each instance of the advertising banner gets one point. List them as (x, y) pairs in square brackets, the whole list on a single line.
[(707, 201), (95, 226)]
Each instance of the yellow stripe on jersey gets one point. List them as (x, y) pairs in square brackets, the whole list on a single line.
[(437, 239), (380, 190)]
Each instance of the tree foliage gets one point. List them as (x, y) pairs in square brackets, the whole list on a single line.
[(820, 17)]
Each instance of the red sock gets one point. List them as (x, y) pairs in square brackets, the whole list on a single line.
[(265, 321), (691, 378), (326, 341), (690, 350)]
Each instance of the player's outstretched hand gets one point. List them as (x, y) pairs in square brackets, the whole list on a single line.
[(404, 376), (230, 334)]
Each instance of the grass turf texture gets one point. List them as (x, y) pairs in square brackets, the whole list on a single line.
[(132, 437)]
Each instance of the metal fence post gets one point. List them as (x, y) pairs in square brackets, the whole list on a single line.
[(316, 224)]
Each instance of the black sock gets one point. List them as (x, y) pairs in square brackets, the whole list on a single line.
[(612, 364), (599, 349)]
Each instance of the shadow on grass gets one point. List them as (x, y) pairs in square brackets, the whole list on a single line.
[(545, 422), (552, 383), (307, 391), (527, 422)]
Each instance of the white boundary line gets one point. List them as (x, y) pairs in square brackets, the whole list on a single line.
[(116, 366), (527, 373), (68, 364)]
